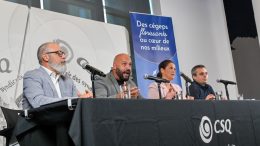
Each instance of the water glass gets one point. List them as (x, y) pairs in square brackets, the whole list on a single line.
[(125, 88), (240, 97), (179, 95), (218, 95)]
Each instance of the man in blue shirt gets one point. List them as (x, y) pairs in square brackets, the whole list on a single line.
[(199, 89)]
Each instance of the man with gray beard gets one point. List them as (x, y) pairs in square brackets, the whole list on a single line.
[(49, 83), (117, 83)]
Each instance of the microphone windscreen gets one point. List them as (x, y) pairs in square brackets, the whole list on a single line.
[(82, 61)]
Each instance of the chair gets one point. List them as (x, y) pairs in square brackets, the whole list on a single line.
[(11, 117)]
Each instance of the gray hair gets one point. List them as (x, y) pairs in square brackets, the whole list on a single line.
[(194, 69), (41, 50)]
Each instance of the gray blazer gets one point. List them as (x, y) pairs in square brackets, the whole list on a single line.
[(38, 89), (107, 87)]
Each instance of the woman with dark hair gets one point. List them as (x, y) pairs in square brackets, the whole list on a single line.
[(167, 70)]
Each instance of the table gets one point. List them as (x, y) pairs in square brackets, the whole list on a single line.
[(113, 122), (45, 126)]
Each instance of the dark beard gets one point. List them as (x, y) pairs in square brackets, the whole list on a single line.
[(121, 76)]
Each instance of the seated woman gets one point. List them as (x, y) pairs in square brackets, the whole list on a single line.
[(167, 70)]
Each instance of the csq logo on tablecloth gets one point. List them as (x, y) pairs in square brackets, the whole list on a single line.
[(206, 129)]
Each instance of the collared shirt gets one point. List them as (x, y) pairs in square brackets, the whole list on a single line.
[(55, 79), (200, 92)]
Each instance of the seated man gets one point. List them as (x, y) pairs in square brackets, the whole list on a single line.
[(199, 89), (112, 86), (48, 83)]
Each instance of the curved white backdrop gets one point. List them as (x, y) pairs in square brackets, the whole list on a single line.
[(97, 42)]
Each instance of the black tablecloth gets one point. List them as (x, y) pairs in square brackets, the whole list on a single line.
[(112, 122), (46, 126), (165, 123)]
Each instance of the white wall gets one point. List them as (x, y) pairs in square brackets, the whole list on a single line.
[(256, 6), (202, 38)]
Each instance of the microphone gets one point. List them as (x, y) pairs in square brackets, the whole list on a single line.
[(226, 82), (90, 68), (156, 79), (186, 78), (80, 59)]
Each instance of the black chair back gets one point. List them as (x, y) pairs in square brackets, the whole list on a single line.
[(11, 117)]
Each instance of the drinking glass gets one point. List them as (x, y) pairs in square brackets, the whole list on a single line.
[(240, 96), (218, 95)]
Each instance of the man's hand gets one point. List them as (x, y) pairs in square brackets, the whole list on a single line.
[(120, 95), (86, 94), (189, 98), (210, 97), (134, 92)]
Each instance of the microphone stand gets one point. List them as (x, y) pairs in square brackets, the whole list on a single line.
[(187, 81), (159, 89), (93, 84), (187, 88), (227, 94)]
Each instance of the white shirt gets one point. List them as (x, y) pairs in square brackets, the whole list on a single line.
[(54, 79)]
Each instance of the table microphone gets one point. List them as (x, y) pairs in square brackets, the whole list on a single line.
[(156, 79), (226, 82)]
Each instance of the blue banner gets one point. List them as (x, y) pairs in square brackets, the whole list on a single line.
[(153, 42)]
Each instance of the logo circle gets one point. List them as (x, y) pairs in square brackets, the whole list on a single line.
[(206, 130), (66, 48)]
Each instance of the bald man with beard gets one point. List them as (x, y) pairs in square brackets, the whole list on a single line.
[(112, 86)]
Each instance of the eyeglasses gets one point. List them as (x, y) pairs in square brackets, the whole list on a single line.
[(59, 53), (203, 73)]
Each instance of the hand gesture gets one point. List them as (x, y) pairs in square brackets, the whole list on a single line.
[(86, 94), (171, 93), (210, 97), (134, 92)]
